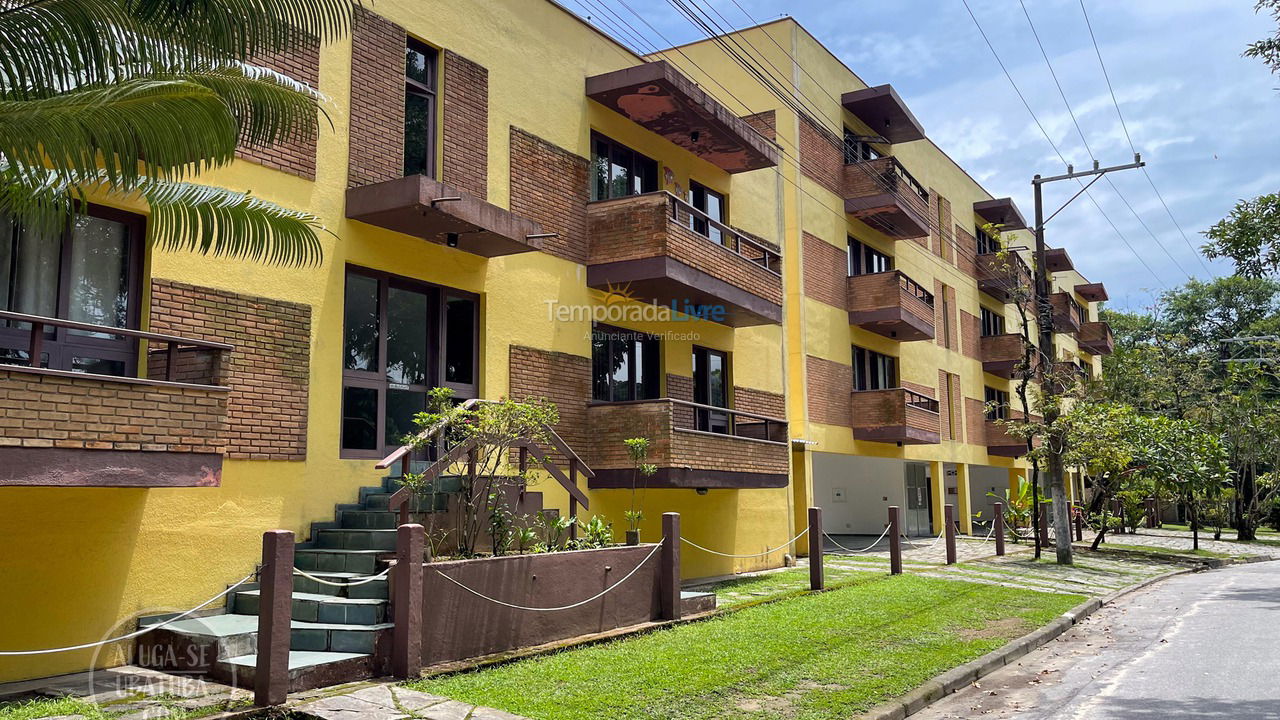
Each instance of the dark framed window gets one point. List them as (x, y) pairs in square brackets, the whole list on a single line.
[(401, 337), (619, 171), (986, 243), (711, 387), (856, 150), (89, 272), (873, 371), (866, 260), (992, 323), (625, 365), (420, 86), (997, 404), (714, 205)]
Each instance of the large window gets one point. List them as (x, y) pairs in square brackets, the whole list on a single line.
[(873, 371), (619, 171), (857, 150), (865, 260), (90, 272), (420, 82), (986, 243), (713, 205), (625, 365), (992, 323), (997, 402), (400, 339), (711, 387)]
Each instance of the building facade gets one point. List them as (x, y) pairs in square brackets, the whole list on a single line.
[(786, 298)]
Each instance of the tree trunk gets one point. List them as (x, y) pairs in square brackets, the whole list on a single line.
[(1248, 499), (1058, 494), (1102, 531)]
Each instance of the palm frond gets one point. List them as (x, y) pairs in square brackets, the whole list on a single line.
[(165, 126), (268, 107)]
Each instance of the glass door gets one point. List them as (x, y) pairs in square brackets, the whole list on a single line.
[(711, 387), (918, 518)]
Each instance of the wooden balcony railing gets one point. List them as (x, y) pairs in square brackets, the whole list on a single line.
[(1096, 338), (891, 304), (1003, 277), (883, 194), (1001, 354), (749, 247), (895, 415), (1068, 316)]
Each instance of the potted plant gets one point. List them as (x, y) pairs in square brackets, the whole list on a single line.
[(638, 449)]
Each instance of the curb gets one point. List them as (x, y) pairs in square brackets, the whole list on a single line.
[(962, 676)]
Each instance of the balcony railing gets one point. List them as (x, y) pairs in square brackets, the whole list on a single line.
[(1068, 316), (884, 195), (663, 250), (1003, 277), (1001, 354), (891, 304), (895, 415), (1096, 338), (691, 444)]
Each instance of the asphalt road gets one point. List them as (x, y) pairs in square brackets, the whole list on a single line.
[(1203, 645)]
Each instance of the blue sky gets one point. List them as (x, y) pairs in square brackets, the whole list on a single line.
[(1203, 117)]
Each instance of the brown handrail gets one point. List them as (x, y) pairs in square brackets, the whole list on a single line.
[(734, 415), (770, 255), (919, 401), (914, 288)]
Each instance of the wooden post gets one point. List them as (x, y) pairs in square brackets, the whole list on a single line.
[(998, 527), (35, 347), (573, 501), (275, 610), (406, 636), (949, 526), (895, 540), (1079, 518), (816, 580), (669, 580), (171, 361)]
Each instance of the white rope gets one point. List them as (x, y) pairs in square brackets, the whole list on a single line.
[(580, 603), (353, 583), (873, 542), (131, 635), (990, 532), (753, 555)]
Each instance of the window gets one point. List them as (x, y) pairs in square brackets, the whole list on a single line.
[(619, 171), (400, 339), (992, 323), (713, 205), (986, 243), (865, 260), (711, 387), (873, 371), (997, 404), (625, 365), (90, 272), (857, 150), (419, 109)]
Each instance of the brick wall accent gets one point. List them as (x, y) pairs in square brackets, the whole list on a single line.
[(46, 411), (296, 156), (765, 123), (944, 406), (761, 402), (940, 229), (821, 159), (940, 333), (830, 385), (680, 387), (465, 128), (975, 414), (641, 226), (826, 271), (970, 335), (549, 186), (966, 252), (377, 100), (268, 372), (562, 378)]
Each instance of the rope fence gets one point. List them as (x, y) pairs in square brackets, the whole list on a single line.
[(331, 583), (873, 542), (752, 555)]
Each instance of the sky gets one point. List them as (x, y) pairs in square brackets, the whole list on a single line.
[(1197, 111)]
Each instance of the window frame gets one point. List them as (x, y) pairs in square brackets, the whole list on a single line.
[(990, 320), (429, 91), (710, 420), (864, 361), (632, 174), (998, 396), (856, 150), (859, 253), (701, 226), (651, 383)]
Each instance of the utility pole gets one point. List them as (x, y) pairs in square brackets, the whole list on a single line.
[(1054, 470)]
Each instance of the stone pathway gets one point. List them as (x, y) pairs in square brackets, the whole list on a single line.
[(382, 701), (1181, 540), (134, 693)]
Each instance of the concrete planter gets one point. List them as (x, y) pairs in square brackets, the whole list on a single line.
[(633, 537)]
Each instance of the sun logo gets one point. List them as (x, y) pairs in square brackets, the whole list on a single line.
[(613, 295)]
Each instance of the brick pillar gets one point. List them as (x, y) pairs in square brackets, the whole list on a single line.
[(275, 610), (669, 581), (816, 580), (406, 646), (895, 540), (949, 524), (998, 531)]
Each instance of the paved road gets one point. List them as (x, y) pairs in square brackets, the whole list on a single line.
[(1199, 646)]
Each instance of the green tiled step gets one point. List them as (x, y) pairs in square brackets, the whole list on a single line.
[(355, 539), (313, 607), (238, 635), (379, 500), (367, 519), (443, 484), (307, 670), (376, 589), (364, 562)]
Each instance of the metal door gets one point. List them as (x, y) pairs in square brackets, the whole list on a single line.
[(918, 517)]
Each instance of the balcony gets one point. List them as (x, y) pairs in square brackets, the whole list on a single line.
[(1096, 338), (882, 194), (1068, 316), (646, 247), (419, 206), (1003, 277), (884, 112), (896, 415), (658, 97), (1000, 442), (1000, 212), (751, 451), (1057, 260), (161, 427), (1093, 292), (1001, 354), (891, 304)]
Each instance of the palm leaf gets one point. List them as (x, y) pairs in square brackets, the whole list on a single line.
[(269, 107)]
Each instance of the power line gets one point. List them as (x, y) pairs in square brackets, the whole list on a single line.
[(1124, 126)]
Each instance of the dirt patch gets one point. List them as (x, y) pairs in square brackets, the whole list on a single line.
[(783, 705), (1005, 627)]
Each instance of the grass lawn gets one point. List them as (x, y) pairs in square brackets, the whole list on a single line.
[(48, 707), (1153, 550), (815, 656)]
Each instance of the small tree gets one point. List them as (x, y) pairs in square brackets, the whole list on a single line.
[(638, 450)]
